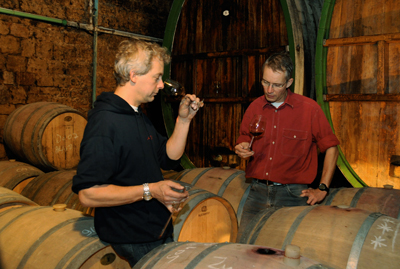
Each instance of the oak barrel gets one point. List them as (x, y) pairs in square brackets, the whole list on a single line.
[(357, 81), (227, 183), (9, 198), (46, 135), (16, 175), (336, 237), (193, 255), (55, 188), (205, 217), (39, 237), (383, 200)]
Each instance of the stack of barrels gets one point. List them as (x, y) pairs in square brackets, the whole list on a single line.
[(43, 224), (352, 228), (37, 230)]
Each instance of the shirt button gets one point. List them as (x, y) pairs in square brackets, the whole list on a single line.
[(294, 136), (270, 158), (274, 126), (273, 142), (266, 174), (276, 110)]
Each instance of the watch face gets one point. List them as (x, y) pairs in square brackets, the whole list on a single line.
[(147, 197)]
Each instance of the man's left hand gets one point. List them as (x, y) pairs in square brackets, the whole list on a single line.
[(315, 196), (189, 106)]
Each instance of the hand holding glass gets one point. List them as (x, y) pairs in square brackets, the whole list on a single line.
[(257, 127)]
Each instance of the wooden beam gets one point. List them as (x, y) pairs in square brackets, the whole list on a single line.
[(383, 67), (362, 97), (362, 40), (225, 54)]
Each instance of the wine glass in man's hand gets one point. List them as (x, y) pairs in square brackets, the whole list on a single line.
[(257, 127), (173, 88)]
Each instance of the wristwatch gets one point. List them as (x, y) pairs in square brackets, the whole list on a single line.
[(146, 192), (323, 187)]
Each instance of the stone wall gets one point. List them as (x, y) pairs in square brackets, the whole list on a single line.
[(42, 61)]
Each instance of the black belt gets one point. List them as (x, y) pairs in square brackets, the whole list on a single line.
[(268, 182)]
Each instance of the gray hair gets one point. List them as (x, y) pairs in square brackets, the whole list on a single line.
[(130, 57), (280, 62)]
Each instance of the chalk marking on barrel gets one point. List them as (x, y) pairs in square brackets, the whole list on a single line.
[(395, 235), (219, 263)]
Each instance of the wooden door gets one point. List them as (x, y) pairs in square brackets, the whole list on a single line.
[(218, 51)]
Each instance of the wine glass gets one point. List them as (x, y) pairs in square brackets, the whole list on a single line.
[(173, 88), (257, 127)]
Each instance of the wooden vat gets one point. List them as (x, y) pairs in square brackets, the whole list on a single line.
[(46, 135), (358, 78), (205, 217), (55, 188), (383, 200), (179, 255), (338, 238), (218, 49), (227, 183), (16, 175), (39, 237)]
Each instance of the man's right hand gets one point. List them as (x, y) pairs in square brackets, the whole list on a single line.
[(163, 192), (243, 151)]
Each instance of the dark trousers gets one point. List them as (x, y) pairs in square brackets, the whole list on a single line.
[(134, 252), (264, 196)]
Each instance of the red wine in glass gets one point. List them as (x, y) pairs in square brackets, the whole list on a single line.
[(257, 127)]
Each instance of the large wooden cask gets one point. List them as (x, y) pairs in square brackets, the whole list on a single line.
[(227, 183), (55, 188), (46, 135), (383, 200), (218, 49), (336, 237), (205, 217), (16, 175), (37, 237), (194, 255), (358, 79)]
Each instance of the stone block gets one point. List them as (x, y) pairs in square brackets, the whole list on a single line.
[(45, 80), (44, 50), (19, 30), (6, 109), (8, 78), (16, 63), (25, 78), (4, 28), (36, 65), (28, 47), (18, 95), (9, 44)]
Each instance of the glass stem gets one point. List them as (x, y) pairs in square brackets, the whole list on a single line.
[(251, 142)]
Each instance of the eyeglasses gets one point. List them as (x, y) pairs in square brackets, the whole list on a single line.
[(274, 86)]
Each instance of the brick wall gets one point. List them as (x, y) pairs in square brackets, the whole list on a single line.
[(40, 61)]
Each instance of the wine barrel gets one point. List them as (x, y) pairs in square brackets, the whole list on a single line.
[(336, 237), (383, 200), (9, 198), (39, 237), (55, 188), (46, 135), (357, 81), (227, 183), (16, 175), (205, 217), (218, 255)]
